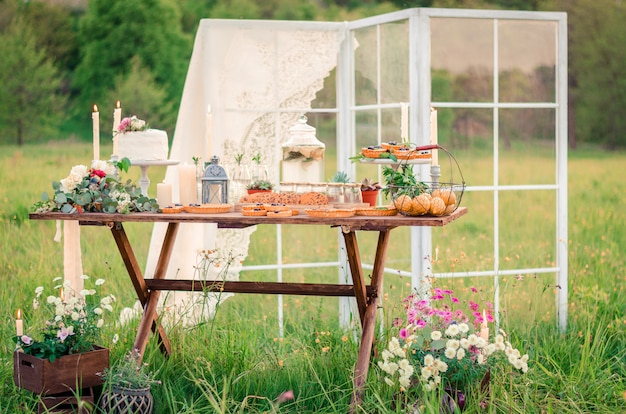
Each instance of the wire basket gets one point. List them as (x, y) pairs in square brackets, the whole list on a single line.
[(428, 198)]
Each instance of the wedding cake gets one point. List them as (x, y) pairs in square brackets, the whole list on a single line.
[(135, 142)]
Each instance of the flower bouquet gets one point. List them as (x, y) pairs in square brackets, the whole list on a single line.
[(96, 189), (443, 346), (63, 352), (73, 325), (131, 124)]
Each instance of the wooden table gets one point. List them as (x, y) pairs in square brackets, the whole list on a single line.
[(148, 290)]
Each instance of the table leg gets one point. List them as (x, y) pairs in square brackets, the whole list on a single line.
[(358, 279), (136, 277), (150, 316), (369, 320)]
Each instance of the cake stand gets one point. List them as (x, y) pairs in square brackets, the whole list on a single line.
[(144, 181)]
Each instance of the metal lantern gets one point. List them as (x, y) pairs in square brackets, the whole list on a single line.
[(214, 183)]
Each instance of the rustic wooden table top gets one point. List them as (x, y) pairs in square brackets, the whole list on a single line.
[(237, 220)]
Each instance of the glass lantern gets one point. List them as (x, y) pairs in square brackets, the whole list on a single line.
[(214, 183), (303, 154)]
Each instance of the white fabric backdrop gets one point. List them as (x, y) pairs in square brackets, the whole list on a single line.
[(258, 78)]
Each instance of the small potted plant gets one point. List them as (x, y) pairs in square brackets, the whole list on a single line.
[(127, 386), (258, 186), (369, 191)]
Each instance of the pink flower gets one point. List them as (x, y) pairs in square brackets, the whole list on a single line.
[(63, 334), (397, 322), (420, 323), (473, 306), (26, 340), (125, 123), (285, 396), (403, 334)]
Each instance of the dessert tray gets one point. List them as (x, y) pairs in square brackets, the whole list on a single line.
[(208, 208), (376, 211), (330, 212)]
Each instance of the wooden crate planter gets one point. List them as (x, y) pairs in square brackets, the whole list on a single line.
[(83, 402), (67, 373)]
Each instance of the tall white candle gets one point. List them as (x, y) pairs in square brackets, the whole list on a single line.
[(164, 194), (117, 118), (433, 135), (187, 183), (404, 121), (208, 135), (19, 323), (95, 118)]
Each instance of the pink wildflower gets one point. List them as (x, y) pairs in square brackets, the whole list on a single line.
[(403, 334), (26, 340), (63, 334), (473, 305), (285, 396)]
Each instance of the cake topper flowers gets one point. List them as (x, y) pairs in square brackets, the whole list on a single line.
[(131, 124)]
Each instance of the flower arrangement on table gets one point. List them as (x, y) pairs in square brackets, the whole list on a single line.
[(445, 346), (74, 321), (96, 189), (131, 124)]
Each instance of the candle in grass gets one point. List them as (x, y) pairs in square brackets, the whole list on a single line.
[(19, 323), (95, 118), (484, 329)]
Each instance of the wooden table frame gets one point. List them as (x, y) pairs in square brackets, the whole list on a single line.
[(148, 290)]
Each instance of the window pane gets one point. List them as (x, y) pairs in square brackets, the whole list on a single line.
[(527, 146), (527, 61), (462, 58)]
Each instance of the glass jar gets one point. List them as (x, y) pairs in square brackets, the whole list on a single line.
[(335, 193), (319, 188), (352, 193)]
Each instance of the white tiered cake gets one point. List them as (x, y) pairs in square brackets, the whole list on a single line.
[(148, 145)]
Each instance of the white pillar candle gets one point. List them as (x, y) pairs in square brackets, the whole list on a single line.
[(19, 323), (164, 194), (208, 135), (117, 118), (433, 136), (187, 183), (404, 121), (95, 118)]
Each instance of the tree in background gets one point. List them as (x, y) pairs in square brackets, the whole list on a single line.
[(114, 32), (597, 56), (140, 95), (30, 103)]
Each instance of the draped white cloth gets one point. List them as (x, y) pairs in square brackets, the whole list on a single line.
[(258, 77)]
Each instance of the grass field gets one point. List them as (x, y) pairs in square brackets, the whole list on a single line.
[(237, 363)]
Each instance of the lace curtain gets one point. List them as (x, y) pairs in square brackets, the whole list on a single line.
[(258, 77)]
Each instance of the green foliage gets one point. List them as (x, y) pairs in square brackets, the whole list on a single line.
[(141, 95), (113, 32), (129, 373), (340, 177), (29, 87), (597, 36)]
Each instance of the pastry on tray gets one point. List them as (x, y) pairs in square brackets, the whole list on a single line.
[(276, 207), (254, 212), (208, 208), (376, 211), (279, 213), (177, 208), (330, 212)]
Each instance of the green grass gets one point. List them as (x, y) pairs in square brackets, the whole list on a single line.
[(237, 363)]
